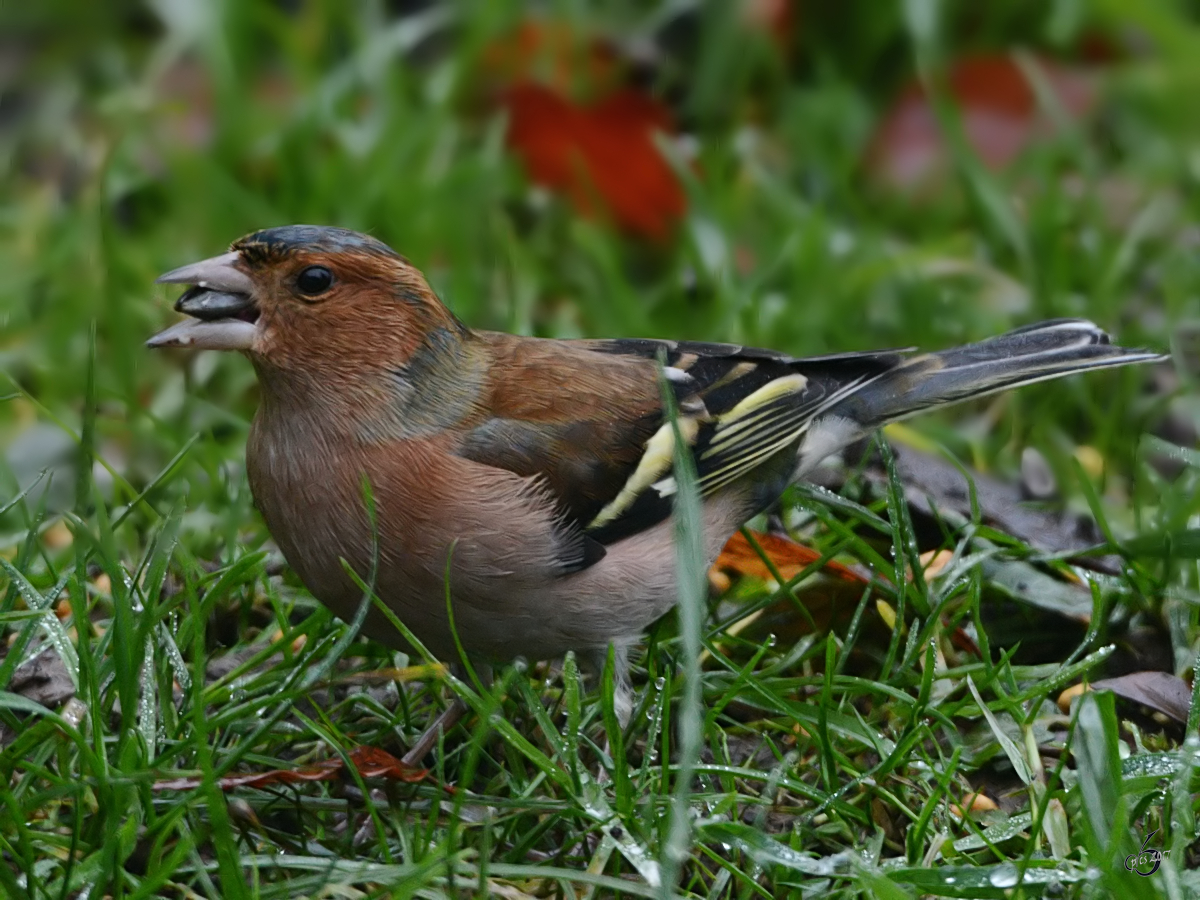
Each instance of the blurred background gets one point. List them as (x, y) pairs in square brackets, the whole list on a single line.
[(807, 176), (811, 177)]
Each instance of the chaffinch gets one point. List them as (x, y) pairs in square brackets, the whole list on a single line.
[(536, 475)]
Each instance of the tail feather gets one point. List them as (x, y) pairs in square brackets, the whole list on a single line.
[(1034, 353)]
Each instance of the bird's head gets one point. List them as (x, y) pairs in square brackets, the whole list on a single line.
[(307, 298)]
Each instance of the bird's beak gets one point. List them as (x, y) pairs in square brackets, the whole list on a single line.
[(221, 305)]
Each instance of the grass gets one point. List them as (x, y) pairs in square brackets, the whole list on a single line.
[(797, 762)]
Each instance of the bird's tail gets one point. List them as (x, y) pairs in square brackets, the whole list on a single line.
[(1033, 353)]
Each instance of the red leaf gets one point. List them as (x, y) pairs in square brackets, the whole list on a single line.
[(1000, 115), (602, 156), (580, 129), (369, 761), (372, 762)]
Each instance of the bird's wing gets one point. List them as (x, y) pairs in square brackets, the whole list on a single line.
[(588, 420), (743, 412)]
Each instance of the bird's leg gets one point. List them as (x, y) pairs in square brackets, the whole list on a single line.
[(445, 720), (622, 689), (594, 662)]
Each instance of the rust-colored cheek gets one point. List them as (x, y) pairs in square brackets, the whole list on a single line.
[(338, 335)]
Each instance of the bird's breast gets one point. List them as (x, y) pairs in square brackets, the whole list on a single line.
[(307, 485), (437, 516)]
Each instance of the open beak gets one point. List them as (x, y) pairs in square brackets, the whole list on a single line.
[(221, 305)]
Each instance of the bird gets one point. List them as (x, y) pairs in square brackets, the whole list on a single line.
[(529, 482)]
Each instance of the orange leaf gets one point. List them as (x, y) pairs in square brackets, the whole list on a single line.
[(602, 156), (790, 558), (827, 604), (1000, 116)]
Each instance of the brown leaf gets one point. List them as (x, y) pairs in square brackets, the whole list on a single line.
[(44, 679), (1161, 691), (1000, 112), (370, 762)]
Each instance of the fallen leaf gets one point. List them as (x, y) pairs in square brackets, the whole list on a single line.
[(370, 762), (718, 581), (963, 642), (829, 602), (1161, 691), (934, 561), (1039, 590), (1067, 697), (602, 156), (975, 803), (44, 679), (933, 483), (827, 599), (1000, 112), (788, 557), (581, 128)]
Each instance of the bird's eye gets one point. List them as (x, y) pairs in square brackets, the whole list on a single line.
[(314, 280)]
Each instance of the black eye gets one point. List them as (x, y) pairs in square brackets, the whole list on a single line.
[(314, 280)]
